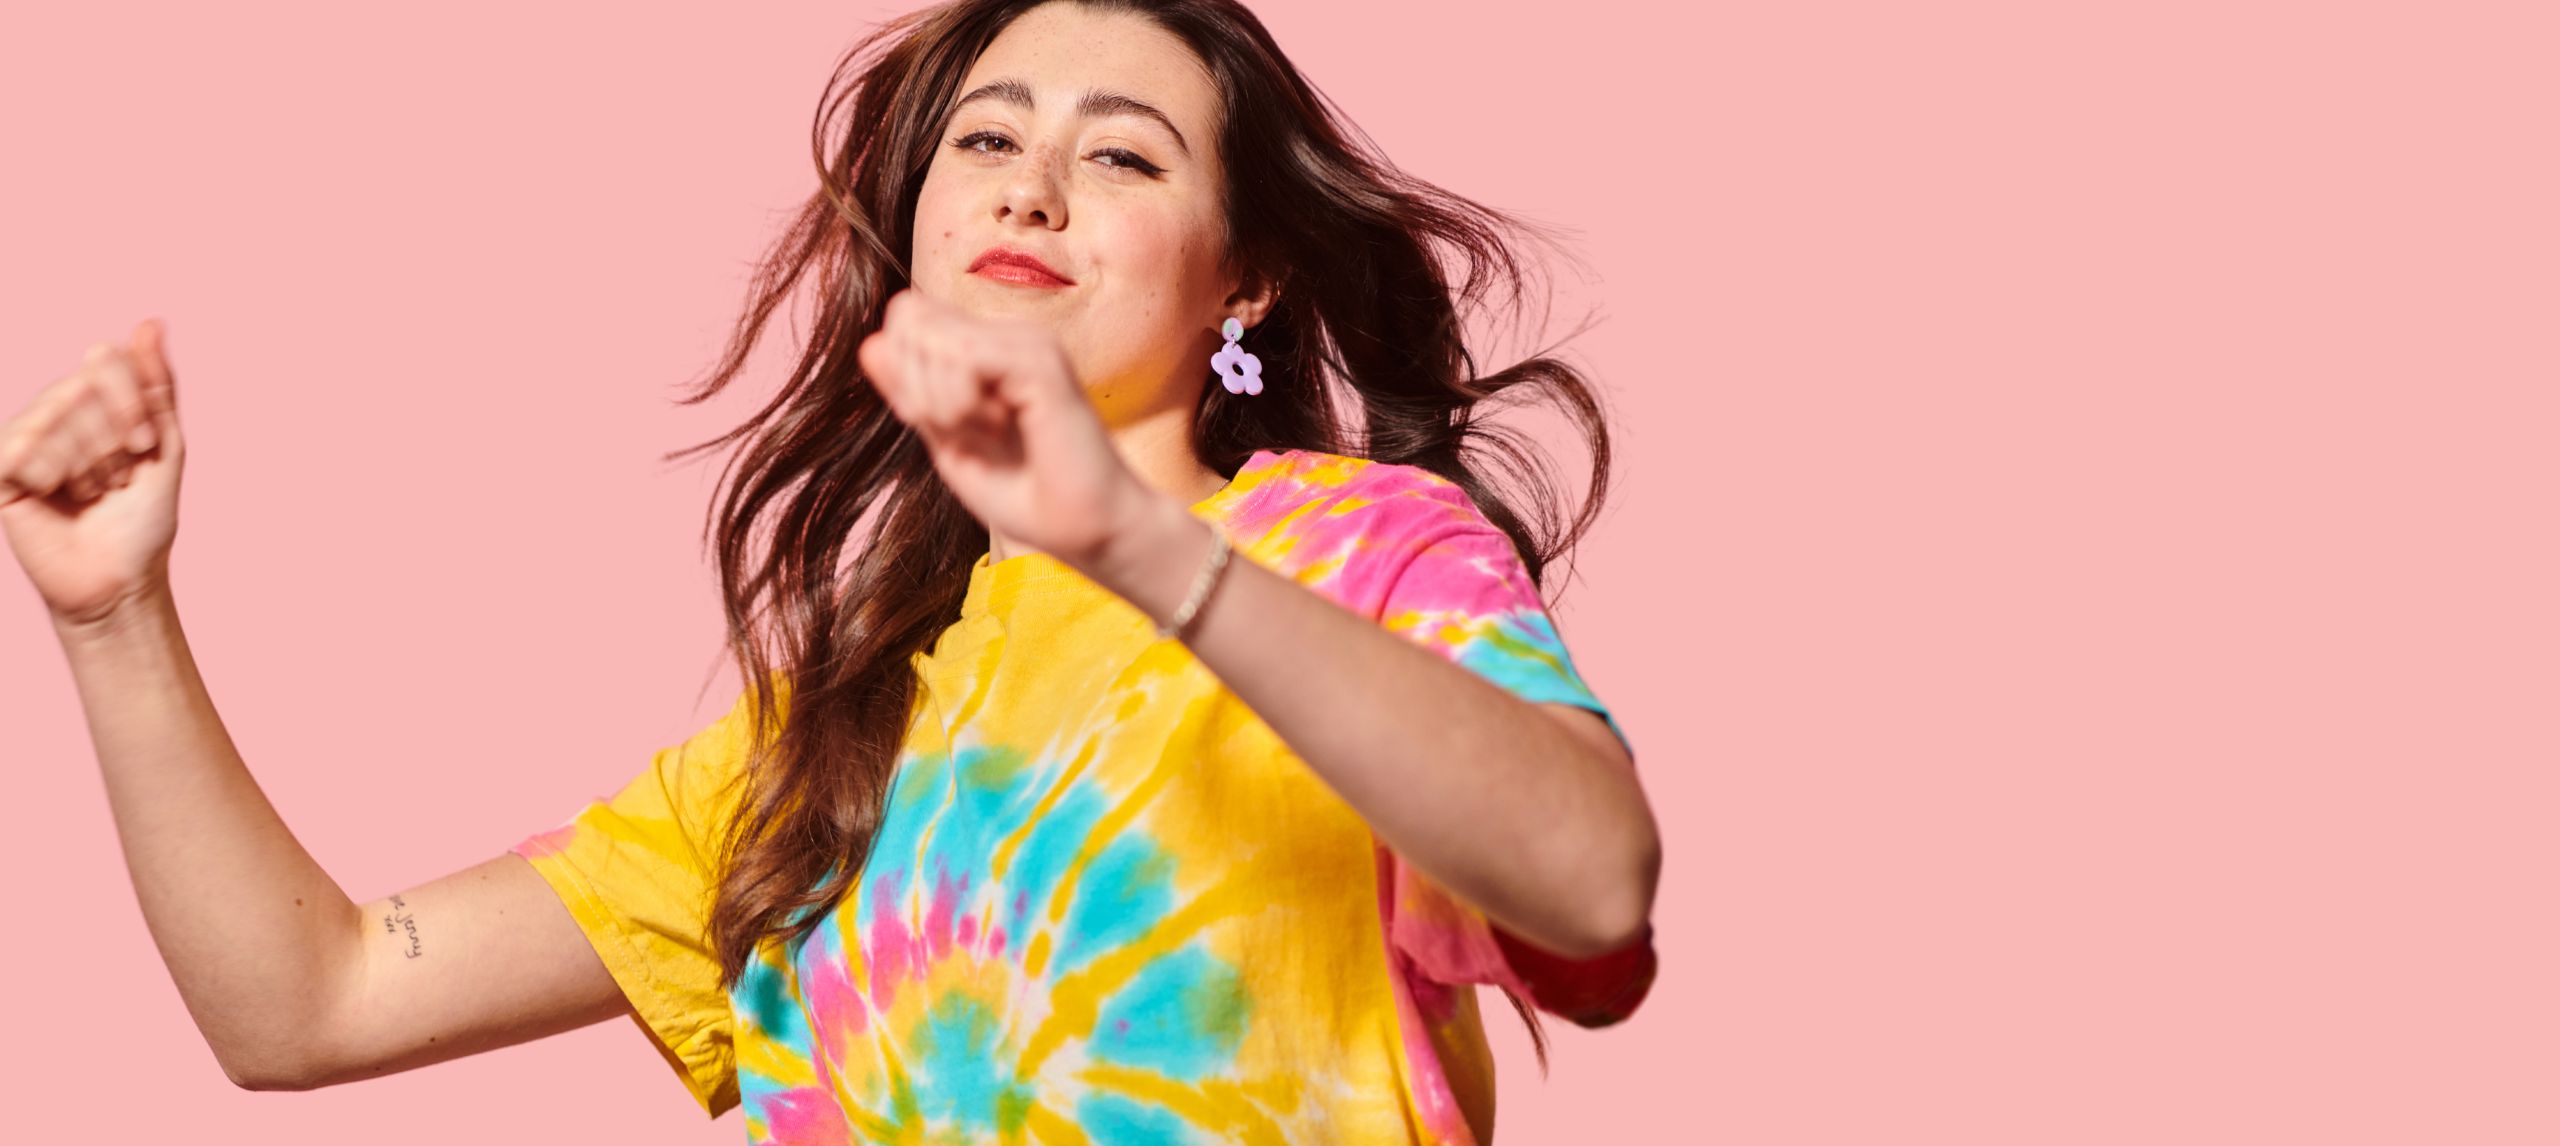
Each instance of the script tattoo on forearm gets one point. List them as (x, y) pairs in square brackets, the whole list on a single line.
[(401, 921)]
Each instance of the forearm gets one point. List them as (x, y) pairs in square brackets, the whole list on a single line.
[(250, 926), (1486, 793)]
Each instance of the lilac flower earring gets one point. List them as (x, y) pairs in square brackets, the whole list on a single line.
[(1239, 370)]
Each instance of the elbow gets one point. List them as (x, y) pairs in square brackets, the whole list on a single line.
[(1622, 864), (262, 1078), (1621, 914), (252, 1078), (264, 1072), (1612, 913)]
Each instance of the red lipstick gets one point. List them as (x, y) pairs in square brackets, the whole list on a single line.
[(1018, 267)]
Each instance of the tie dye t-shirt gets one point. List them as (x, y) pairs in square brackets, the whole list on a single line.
[(1106, 903)]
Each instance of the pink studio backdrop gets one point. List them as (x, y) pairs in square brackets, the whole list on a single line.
[(2080, 575)]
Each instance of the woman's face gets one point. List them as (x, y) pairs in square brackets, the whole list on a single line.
[(1125, 206)]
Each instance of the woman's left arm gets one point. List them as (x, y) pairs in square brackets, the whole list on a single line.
[(1526, 812), (1531, 812)]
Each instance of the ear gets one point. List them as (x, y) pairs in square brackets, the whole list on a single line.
[(1254, 297)]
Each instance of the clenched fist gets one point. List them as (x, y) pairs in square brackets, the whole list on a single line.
[(1006, 423), (89, 480)]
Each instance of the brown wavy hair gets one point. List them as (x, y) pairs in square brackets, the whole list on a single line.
[(842, 555)]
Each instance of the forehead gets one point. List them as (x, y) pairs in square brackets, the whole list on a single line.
[(1063, 50)]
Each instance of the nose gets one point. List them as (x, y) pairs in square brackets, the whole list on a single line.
[(1033, 194)]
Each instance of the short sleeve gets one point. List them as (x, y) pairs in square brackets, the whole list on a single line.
[(637, 871), (1455, 584)]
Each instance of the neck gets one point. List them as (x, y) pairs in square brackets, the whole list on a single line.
[(1158, 450)]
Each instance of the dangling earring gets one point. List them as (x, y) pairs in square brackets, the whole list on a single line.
[(1241, 371)]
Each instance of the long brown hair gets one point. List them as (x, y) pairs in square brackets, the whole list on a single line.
[(842, 555)]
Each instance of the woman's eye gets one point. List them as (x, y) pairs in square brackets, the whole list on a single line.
[(1129, 160), (1122, 158)]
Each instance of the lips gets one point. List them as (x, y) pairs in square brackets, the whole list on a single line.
[(1009, 264)]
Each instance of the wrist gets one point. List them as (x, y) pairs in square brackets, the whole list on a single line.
[(1151, 559), (141, 615)]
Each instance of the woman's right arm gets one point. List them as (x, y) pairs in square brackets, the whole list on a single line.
[(293, 984)]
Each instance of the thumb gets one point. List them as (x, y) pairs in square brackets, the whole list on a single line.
[(151, 367)]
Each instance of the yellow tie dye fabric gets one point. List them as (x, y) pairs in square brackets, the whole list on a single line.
[(1106, 903)]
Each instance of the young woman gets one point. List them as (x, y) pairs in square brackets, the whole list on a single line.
[(1130, 751)]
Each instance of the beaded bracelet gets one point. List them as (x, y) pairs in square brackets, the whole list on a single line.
[(1200, 583)]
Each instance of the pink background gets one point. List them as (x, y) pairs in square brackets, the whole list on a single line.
[(2081, 581)]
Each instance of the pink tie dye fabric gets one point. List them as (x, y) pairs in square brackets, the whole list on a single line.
[(1106, 903)]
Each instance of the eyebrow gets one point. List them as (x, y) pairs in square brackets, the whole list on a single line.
[(1095, 103)]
